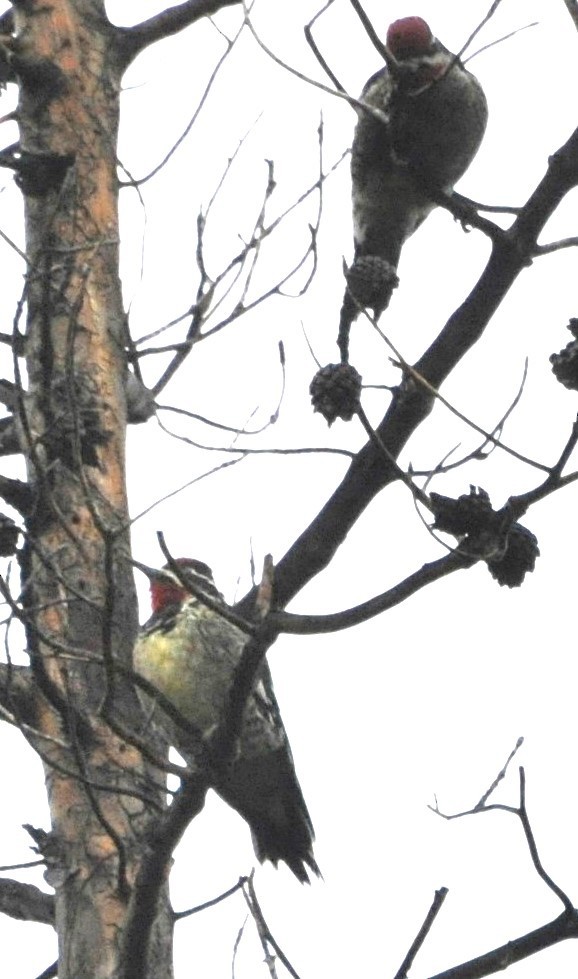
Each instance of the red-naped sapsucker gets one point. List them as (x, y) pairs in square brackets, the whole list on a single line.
[(189, 652), (430, 120)]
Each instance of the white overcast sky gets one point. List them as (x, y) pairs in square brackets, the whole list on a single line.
[(429, 699)]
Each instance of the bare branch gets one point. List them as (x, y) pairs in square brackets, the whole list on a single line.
[(572, 8), (132, 40), (178, 915), (18, 693), (22, 866), (17, 494), (439, 898), (567, 451), (481, 452), (306, 625), (9, 392), (518, 505), (220, 425), (523, 814), (370, 31), (555, 246), (150, 880), (190, 482), (466, 213), (404, 477), (7, 21), (246, 452), (237, 945), (50, 973), (479, 206), (500, 776), (504, 37), (9, 441), (266, 938), (356, 104), (254, 651), (212, 77), (307, 30), (202, 310), (477, 30), (368, 473), (26, 902), (562, 928), (18, 339), (434, 392)]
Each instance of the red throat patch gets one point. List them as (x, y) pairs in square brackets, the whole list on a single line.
[(165, 592)]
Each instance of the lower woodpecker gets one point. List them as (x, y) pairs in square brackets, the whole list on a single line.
[(189, 652)]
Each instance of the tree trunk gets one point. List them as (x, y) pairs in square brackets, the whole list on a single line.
[(79, 593)]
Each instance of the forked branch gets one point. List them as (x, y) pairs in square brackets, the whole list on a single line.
[(563, 927), (369, 473)]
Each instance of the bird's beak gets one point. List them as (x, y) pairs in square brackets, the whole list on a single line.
[(153, 574)]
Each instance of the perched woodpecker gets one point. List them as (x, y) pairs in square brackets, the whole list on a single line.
[(430, 118), (189, 652)]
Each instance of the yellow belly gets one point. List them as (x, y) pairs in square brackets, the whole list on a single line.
[(192, 665)]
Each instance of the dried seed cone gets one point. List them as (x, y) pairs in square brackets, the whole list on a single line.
[(518, 559), (371, 281), (471, 513), (335, 391), (565, 363)]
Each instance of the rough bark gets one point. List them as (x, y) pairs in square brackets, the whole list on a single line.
[(78, 587)]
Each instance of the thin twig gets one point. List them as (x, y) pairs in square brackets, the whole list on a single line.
[(246, 452), (404, 477), (264, 931), (567, 451), (555, 246), (477, 454), (504, 37), (523, 814), (371, 33), (187, 485), (431, 390), (178, 915), (356, 104), (477, 30), (312, 44), (500, 776), (236, 946), (268, 230), (22, 866), (212, 78), (439, 898)]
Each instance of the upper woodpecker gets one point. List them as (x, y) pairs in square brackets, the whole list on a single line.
[(189, 652), (430, 120)]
